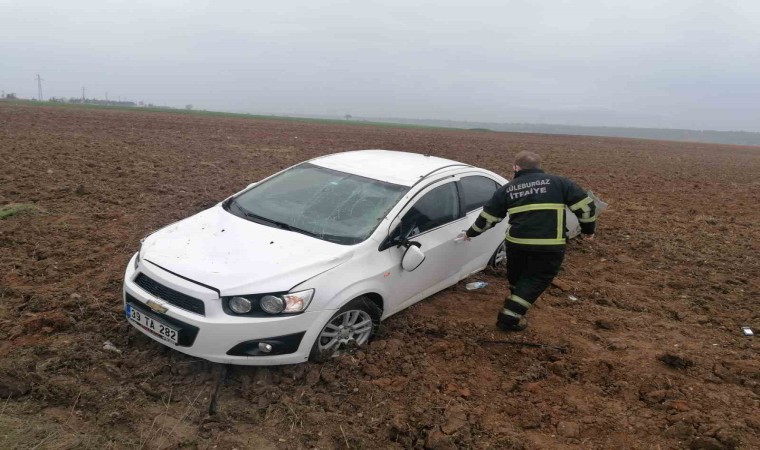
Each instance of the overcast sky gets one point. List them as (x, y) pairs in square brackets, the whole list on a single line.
[(675, 63)]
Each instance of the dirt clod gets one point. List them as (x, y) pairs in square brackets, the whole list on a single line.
[(14, 388), (438, 440), (675, 361), (568, 429), (561, 284), (456, 418), (604, 324), (679, 405), (706, 443), (680, 430)]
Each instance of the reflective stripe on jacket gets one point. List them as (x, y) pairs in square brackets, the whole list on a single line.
[(535, 202)]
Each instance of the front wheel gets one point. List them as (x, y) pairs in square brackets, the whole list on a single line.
[(351, 327), (499, 257)]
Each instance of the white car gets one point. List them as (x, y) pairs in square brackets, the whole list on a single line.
[(304, 264)]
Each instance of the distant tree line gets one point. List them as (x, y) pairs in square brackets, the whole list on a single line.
[(664, 134), (91, 101)]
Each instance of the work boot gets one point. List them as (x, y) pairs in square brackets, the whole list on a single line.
[(509, 323), (519, 326)]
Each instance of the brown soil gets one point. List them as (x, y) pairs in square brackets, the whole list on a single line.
[(655, 357)]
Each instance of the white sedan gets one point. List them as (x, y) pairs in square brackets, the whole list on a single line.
[(305, 264)]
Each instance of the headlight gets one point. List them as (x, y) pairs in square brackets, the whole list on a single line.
[(297, 301), (240, 305), (272, 304), (256, 305)]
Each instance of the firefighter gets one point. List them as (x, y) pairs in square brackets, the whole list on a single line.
[(535, 202)]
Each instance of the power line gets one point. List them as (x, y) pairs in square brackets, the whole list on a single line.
[(39, 87)]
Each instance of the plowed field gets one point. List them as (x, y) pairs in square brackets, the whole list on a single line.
[(653, 357)]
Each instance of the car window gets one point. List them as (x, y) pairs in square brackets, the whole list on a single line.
[(477, 191), (436, 208)]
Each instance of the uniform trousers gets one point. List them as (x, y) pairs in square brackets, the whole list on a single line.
[(529, 273)]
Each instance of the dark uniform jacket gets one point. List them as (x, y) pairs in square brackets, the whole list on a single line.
[(535, 202)]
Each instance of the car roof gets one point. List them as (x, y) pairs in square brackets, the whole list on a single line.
[(391, 166)]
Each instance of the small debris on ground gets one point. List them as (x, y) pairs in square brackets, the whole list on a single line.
[(476, 285), (107, 345)]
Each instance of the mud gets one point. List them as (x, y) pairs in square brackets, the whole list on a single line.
[(649, 355)]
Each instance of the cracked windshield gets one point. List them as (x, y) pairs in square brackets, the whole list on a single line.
[(327, 204)]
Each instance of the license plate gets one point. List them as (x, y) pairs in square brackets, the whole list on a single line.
[(152, 324)]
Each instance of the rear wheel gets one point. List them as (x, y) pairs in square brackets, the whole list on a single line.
[(351, 327), (499, 257)]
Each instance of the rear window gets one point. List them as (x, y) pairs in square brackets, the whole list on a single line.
[(477, 191)]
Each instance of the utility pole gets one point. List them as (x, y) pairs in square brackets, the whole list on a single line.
[(106, 95), (39, 87), (83, 97)]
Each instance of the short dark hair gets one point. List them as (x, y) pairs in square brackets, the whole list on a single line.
[(528, 160)]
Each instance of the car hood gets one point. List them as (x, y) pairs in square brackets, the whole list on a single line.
[(238, 256)]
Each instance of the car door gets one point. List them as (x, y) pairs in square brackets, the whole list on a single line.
[(433, 220), (476, 190)]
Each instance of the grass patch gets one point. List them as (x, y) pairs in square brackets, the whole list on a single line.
[(40, 432), (14, 209)]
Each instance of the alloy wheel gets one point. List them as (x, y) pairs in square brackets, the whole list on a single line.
[(346, 330), (500, 256)]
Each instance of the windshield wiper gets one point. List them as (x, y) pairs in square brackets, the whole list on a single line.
[(306, 232), (251, 215), (278, 224), (281, 225)]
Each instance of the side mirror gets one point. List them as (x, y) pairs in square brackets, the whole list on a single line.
[(395, 239), (413, 257)]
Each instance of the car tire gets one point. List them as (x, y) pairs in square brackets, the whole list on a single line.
[(351, 327), (499, 257)]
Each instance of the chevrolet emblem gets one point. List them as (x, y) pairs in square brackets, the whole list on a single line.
[(155, 306)]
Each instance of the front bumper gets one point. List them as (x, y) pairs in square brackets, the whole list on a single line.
[(217, 333)]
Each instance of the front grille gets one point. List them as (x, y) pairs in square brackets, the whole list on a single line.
[(176, 298), (187, 332)]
